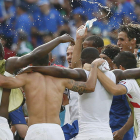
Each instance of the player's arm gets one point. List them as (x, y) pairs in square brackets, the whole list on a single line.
[(119, 134), (14, 63), (12, 82), (110, 86), (89, 85), (55, 71), (76, 56), (127, 74)]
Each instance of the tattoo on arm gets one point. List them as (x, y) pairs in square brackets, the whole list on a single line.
[(78, 86)]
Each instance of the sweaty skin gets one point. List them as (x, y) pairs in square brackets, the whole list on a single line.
[(15, 63), (44, 93)]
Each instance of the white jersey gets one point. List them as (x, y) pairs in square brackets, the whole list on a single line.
[(94, 110), (73, 106), (133, 94)]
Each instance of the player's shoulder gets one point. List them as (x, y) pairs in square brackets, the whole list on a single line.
[(34, 75), (132, 82)]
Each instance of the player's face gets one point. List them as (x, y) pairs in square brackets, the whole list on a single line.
[(108, 60), (87, 44), (44, 8), (123, 42), (69, 55)]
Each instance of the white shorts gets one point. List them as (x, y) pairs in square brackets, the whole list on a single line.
[(100, 137), (45, 131), (95, 135), (93, 138), (5, 131)]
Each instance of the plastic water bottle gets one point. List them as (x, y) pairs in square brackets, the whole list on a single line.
[(88, 25)]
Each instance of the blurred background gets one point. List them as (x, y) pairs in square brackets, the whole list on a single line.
[(26, 24)]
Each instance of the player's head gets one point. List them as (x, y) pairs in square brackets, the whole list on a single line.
[(125, 60), (128, 37), (94, 41), (42, 62), (69, 54), (108, 53), (1, 51), (88, 55)]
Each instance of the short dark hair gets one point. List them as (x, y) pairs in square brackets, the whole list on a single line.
[(132, 31), (70, 44), (89, 54), (126, 59), (97, 41), (42, 62), (110, 50)]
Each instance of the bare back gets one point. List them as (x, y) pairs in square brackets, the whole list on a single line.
[(44, 98)]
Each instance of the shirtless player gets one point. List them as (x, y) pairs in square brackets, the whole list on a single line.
[(15, 63), (44, 97), (60, 72)]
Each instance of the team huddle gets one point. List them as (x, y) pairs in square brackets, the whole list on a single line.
[(97, 78)]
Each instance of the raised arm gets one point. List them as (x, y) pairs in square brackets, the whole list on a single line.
[(55, 71), (76, 56), (89, 85), (14, 63), (110, 86), (12, 82)]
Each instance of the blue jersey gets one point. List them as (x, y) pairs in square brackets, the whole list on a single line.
[(17, 116), (6, 27), (119, 114), (47, 23), (23, 22)]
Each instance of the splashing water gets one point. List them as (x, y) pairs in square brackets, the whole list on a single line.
[(89, 23), (101, 7)]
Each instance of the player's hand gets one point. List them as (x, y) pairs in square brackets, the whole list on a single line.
[(87, 66), (98, 62), (25, 70), (81, 36), (118, 135), (66, 38)]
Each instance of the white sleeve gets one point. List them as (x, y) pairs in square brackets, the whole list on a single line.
[(127, 84)]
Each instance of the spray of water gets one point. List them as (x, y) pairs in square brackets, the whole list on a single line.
[(89, 23), (101, 7)]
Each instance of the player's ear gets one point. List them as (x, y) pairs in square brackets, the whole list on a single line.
[(133, 41)]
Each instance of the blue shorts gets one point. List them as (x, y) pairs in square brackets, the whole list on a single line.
[(17, 116)]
